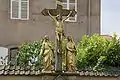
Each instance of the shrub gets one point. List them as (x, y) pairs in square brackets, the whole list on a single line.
[(97, 52), (28, 54), (113, 52)]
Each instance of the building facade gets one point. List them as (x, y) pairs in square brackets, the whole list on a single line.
[(22, 21)]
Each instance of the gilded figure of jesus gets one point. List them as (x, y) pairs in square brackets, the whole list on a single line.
[(59, 24)]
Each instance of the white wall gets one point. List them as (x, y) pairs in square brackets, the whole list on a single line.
[(3, 53)]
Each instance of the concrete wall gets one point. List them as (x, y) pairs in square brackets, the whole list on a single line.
[(15, 32), (53, 78)]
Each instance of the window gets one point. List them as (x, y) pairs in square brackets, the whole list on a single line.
[(70, 4), (13, 54), (20, 9)]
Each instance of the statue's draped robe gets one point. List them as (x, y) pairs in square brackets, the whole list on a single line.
[(71, 56), (47, 53)]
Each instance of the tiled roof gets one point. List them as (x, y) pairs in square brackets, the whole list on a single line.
[(32, 71)]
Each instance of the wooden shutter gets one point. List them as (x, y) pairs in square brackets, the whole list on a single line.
[(24, 9), (14, 9)]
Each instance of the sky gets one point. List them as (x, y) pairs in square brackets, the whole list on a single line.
[(110, 19)]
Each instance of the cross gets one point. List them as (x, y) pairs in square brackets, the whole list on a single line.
[(59, 11)]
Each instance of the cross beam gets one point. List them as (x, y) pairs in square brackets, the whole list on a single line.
[(59, 9), (55, 12)]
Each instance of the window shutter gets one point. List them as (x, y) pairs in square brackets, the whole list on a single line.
[(14, 9), (24, 9)]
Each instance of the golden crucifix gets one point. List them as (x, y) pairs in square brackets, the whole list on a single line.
[(57, 15)]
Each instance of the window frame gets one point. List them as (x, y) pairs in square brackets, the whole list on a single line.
[(68, 7), (19, 10), (10, 53)]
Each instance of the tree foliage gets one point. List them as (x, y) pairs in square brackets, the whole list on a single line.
[(113, 52), (97, 52)]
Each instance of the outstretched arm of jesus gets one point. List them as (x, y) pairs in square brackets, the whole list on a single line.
[(67, 16), (52, 16)]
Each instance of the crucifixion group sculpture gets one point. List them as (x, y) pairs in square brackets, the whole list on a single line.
[(57, 15)]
